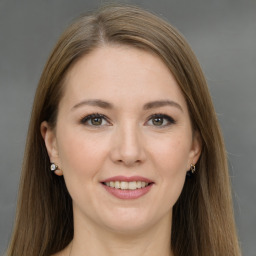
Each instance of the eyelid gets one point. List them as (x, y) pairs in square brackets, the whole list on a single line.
[(86, 118), (164, 116)]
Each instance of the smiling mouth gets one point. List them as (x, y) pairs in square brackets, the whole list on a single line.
[(124, 185)]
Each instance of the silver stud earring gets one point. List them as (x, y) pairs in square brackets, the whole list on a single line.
[(53, 167)]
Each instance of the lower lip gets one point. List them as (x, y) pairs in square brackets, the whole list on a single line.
[(128, 194)]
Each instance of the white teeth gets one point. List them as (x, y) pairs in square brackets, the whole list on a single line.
[(132, 185), (117, 184), (124, 185)]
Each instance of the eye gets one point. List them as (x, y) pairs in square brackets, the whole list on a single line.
[(95, 120), (161, 120)]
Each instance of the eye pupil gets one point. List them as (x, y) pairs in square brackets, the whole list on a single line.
[(96, 121), (158, 121)]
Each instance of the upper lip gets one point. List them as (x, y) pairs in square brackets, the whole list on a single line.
[(127, 179)]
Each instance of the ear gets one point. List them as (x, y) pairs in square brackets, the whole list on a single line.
[(196, 149), (50, 141)]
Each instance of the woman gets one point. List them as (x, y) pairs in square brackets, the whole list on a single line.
[(124, 154)]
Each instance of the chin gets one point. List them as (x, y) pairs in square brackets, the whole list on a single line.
[(131, 222), (129, 228)]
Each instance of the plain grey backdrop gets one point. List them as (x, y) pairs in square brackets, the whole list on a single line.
[(221, 32)]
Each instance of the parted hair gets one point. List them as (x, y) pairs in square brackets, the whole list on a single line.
[(203, 219)]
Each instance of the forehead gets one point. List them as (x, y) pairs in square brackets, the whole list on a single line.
[(121, 73)]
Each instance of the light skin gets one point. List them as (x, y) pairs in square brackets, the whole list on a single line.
[(143, 129)]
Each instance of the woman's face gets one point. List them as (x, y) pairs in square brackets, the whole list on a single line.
[(123, 139)]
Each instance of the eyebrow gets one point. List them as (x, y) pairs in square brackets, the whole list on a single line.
[(162, 103), (147, 106), (96, 103)]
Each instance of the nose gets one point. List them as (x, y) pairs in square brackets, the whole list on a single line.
[(128, 147)]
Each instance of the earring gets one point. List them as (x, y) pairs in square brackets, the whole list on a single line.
[(54, 167), (192, 170)]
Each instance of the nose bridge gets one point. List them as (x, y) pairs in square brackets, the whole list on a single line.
[(128, 146)]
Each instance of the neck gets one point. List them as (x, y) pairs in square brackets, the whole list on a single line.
[(90, 240)]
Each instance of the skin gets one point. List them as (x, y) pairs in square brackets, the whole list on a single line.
[(128, 142)]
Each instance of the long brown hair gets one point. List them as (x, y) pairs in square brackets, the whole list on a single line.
[(203, 222)]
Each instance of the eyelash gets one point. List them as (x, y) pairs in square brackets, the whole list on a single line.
[(85, 119), (169, 119)]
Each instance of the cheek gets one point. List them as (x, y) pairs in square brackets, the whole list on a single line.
[(172, 154), (81, 159), (170, 160), (79, 154)]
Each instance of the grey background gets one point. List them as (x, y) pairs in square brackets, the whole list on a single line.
[(223, 35)]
